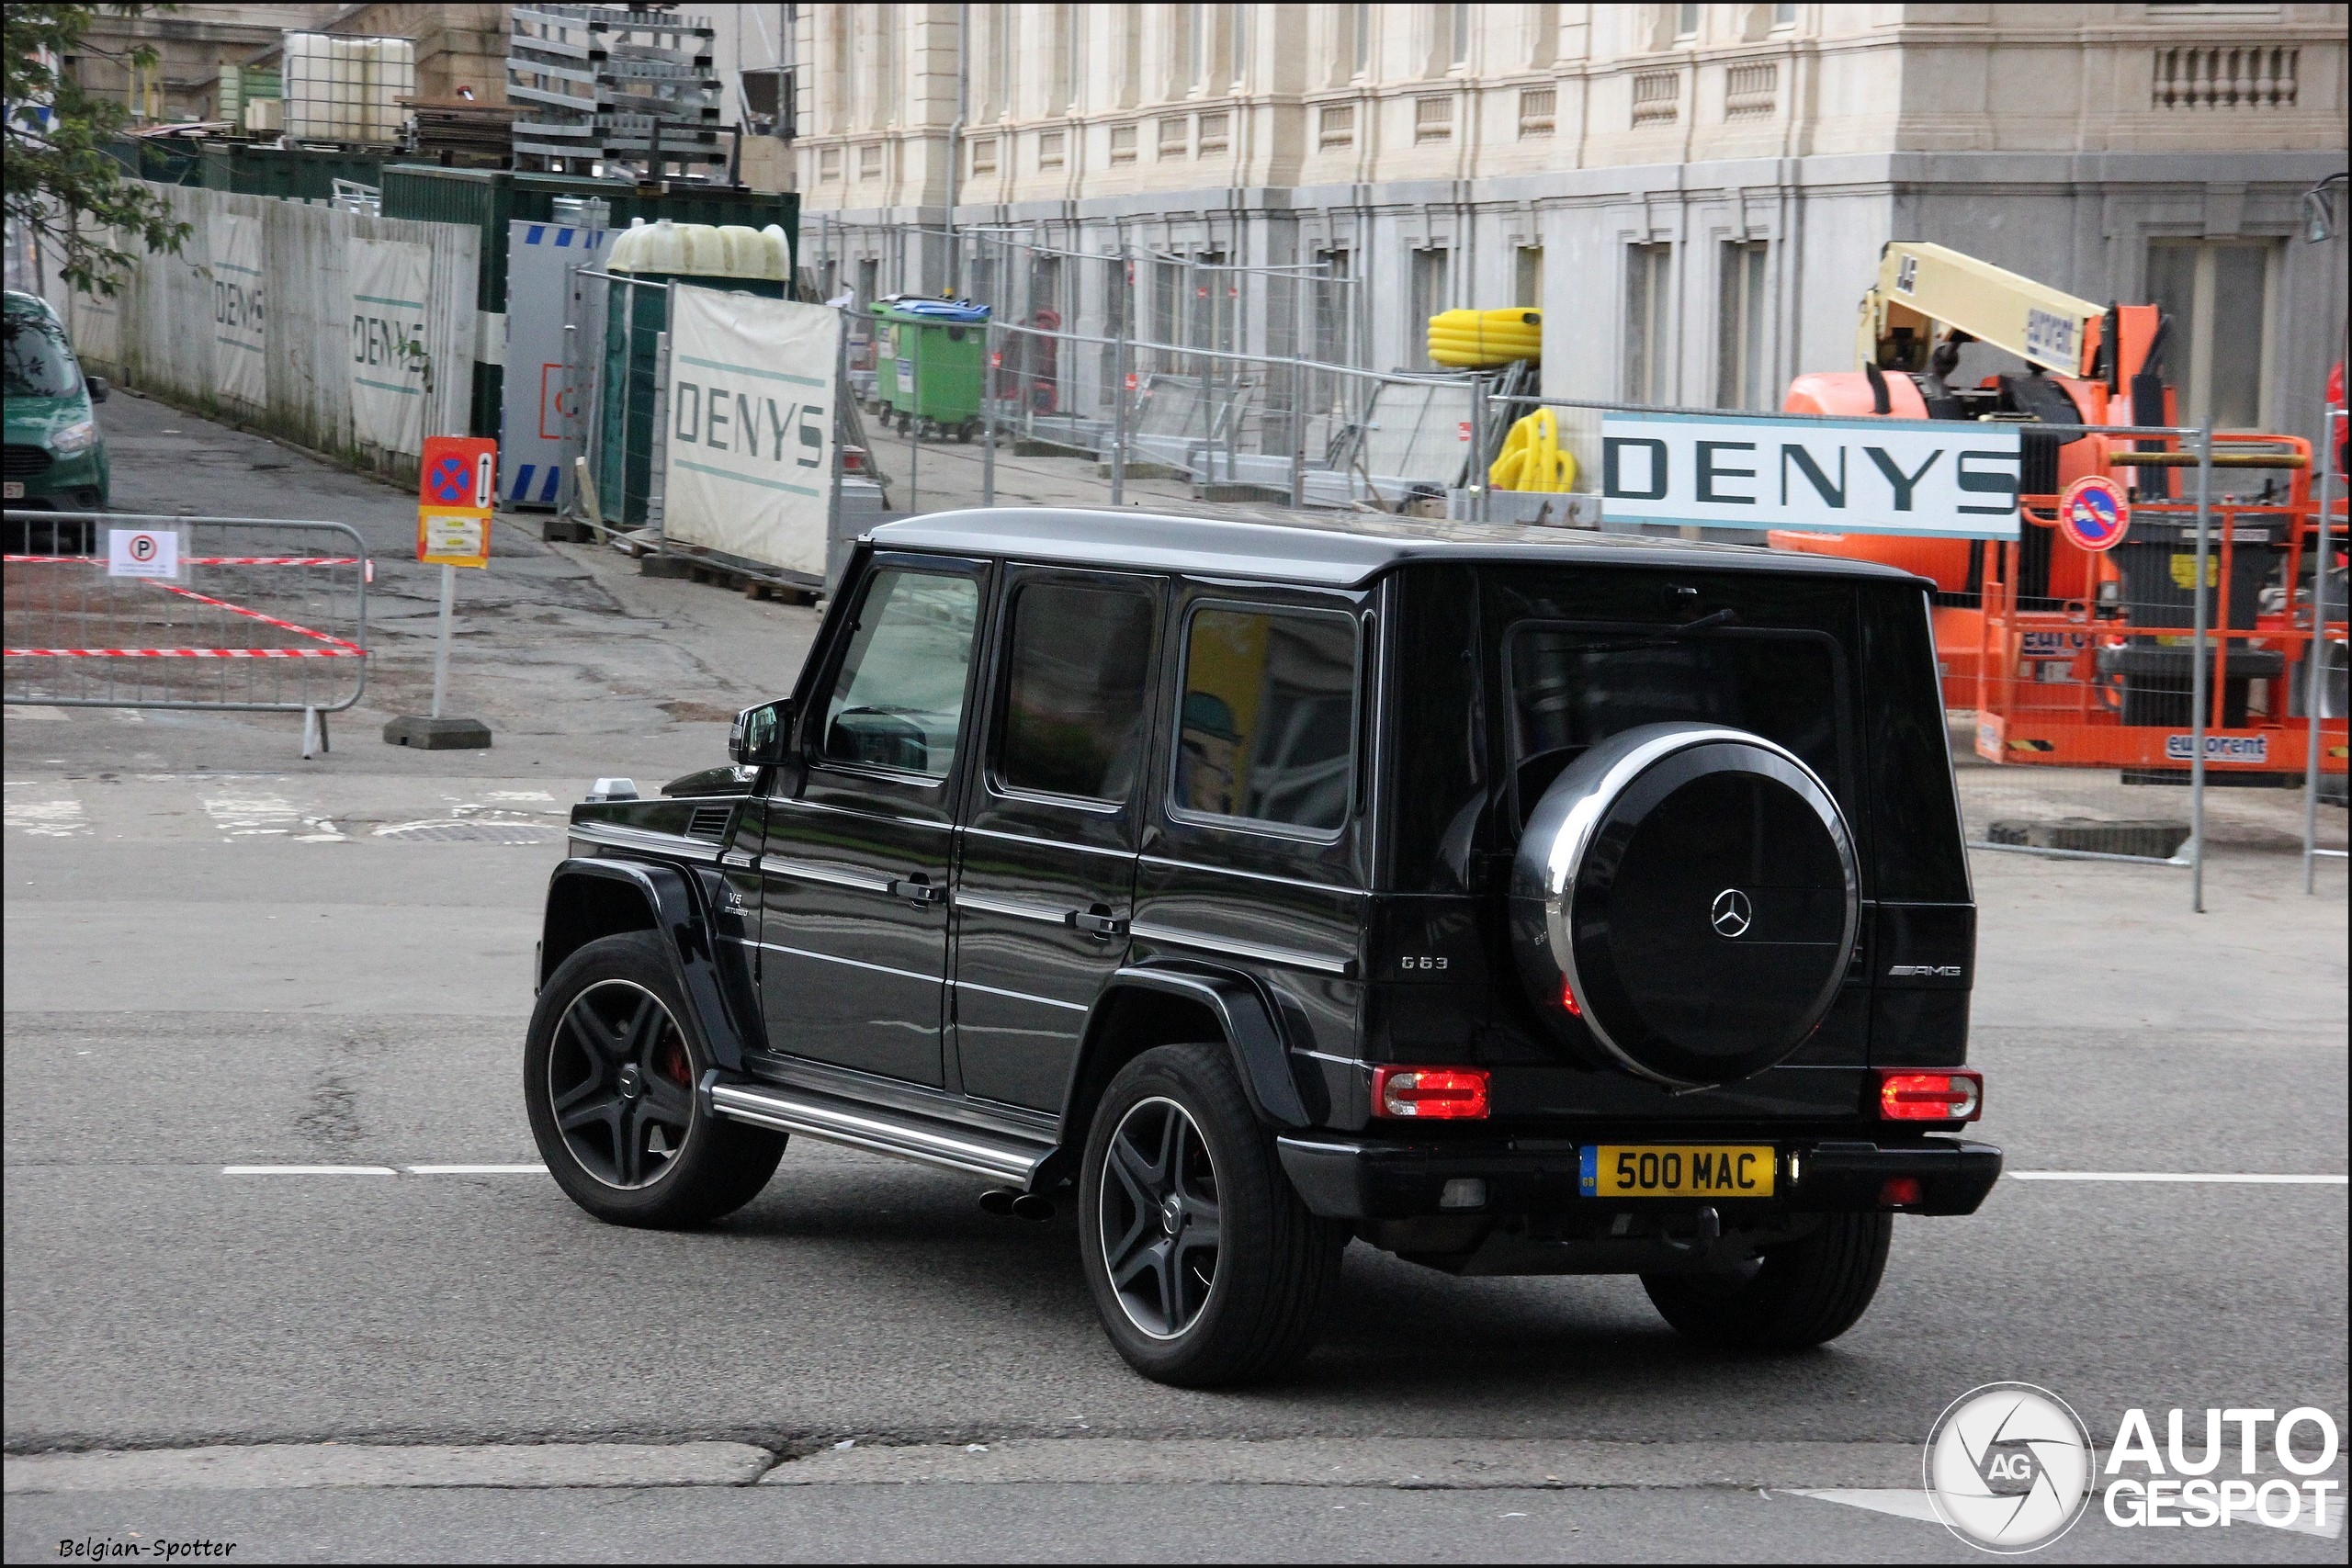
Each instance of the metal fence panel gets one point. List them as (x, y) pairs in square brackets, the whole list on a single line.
[(267, 616)]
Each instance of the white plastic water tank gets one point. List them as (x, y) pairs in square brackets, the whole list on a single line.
[(347, 89), (702, 249)]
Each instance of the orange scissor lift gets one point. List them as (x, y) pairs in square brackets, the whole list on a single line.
[(2078, 658)]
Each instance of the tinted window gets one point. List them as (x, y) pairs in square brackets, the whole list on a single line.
[(1079, 665), (1266, 730), (1920, 852), (38, 363), (898, 701), (1571, 686)]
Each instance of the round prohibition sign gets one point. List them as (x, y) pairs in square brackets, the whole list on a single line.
[(2093, 513), (451, 481), (142, 547)]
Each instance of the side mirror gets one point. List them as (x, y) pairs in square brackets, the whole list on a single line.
[(762, 735), (98, 387)]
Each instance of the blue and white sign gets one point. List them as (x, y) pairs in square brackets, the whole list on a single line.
[(1933, 478)]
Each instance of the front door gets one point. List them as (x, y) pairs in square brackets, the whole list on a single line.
[(1045, 881), (856, 863)]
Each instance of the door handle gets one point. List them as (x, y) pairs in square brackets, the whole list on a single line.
[(917, 892), (1098, 925)]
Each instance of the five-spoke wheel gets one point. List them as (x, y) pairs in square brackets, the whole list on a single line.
[(1159, 1218), (610, 1070)]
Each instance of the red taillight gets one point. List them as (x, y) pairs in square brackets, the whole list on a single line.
[(1898, 1192), (1428, 1093), (1568, 1000), (1930, 1097)]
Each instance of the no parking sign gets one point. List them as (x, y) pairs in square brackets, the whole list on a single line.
[(457, 485), (2093, 513)]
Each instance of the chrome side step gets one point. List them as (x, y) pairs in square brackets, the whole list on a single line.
[(858, 1126)]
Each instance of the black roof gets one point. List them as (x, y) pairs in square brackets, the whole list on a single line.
[(1343, 554)]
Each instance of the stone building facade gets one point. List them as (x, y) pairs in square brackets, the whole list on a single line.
[(1696, 193)]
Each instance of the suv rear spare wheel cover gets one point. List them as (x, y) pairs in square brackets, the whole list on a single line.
[(1694, 888)]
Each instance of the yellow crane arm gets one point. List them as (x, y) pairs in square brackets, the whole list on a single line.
[(1922, 288)]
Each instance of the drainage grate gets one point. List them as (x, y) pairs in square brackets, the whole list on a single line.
[(472, 832)]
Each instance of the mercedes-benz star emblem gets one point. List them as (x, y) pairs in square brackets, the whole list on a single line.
[(1732, 914)]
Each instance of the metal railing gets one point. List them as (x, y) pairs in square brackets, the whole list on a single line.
[(264, 615)]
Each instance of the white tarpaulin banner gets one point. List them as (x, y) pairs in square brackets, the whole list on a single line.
[(240, 340), (1941, 478), (750, 426), (391, 371)]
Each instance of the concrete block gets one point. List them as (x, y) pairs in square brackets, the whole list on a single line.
[(436, 734)]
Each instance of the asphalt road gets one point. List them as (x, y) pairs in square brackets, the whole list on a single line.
[(219, 955)]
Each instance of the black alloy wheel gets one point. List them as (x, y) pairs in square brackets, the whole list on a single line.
[(609, 1077), (621, 1084), (1206, 1267), (1159, 1218)]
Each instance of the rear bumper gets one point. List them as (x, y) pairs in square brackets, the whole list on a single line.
[(1345, 1177)]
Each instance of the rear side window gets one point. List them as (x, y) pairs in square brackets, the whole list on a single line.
[(898, 700), (1572, 686), (1075, 690), (1266, 726)]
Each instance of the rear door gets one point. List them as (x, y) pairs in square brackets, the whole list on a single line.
[(854, 870), (1046, 880)]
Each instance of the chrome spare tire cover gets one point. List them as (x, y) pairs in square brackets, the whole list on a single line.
[(1694, 888)]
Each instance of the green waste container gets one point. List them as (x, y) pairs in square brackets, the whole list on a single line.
[(704, 256), (929, 359)]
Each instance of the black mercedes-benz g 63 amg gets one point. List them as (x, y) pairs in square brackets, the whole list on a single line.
[(1519, 901)]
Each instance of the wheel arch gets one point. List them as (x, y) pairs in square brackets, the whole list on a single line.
[(588, 899), (1145, 1006)]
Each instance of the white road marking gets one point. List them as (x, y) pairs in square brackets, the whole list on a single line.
[(517, 794), (33, 810), (1877, 1499), (2261, 1179), (477, 1170), (33, 710), (262, 816), (308, 1170)]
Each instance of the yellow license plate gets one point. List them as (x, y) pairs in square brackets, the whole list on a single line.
[(1677, 1170)]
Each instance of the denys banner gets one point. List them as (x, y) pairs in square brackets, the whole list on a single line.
[(240, 338), (1939, 478), (389, 368), (750, 426)]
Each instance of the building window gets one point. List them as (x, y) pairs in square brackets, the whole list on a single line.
[(869, 161), (1739, 329), (1173, 137), (1431, 294), (1363, 31), (984, 155), (1335, 126), (1064, 21), (1649, 303), (1458, 50), (1750, 90), (1785, 15), (2205, 76), (1196, 45), (1537, 110), (1527, 278), (1123, 144), (1686, 22), (1049, 148), (1656, 94), (1130, 55), (2218, 293), (828, 163), (1433, 119), (1213, 134)]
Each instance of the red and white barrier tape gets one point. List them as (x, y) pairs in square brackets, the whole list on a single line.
[(194, 560), (185, 652)]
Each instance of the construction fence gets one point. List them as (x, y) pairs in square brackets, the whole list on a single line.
[(348, 334)]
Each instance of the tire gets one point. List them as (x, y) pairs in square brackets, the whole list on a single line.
[(1250, 1307), (605, 1053), (1806, 1294)]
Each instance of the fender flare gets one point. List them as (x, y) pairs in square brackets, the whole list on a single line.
[(1251, 1022), (677, 918)]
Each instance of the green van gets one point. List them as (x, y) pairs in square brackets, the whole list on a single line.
[(56, 458)]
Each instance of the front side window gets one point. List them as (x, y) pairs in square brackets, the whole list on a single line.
[(898, 700), (1076, 680), (1266, 727)]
